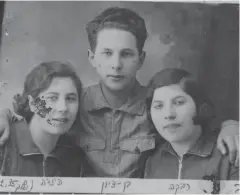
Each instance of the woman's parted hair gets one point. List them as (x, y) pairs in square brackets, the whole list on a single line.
[(169, 76), (39, 79)]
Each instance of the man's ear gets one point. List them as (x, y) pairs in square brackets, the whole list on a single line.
[(141, 59), (32, 107), (91, 58)]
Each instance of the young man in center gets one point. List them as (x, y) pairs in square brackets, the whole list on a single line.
[(117, 135)]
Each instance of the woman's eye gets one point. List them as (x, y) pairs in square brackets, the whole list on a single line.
[(52, 98), (180, 102), (158, 106), (71, 99)]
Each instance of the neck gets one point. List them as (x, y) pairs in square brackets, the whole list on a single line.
[(117, 98), (183, 147), (43, 140)]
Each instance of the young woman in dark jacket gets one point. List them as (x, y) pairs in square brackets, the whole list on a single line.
[(181, 113), (41, 144)]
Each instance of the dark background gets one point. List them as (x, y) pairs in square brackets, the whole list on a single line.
[(201, 38)]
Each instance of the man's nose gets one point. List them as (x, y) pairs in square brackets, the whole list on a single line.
[(116, 62)]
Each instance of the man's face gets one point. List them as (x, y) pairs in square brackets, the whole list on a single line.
[(116, 58)]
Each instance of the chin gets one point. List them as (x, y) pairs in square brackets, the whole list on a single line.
[(176, 139), (172, 138), (117, 87), (56, 131)]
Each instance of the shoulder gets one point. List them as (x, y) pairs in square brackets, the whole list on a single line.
[(80, 160), (87, 90), (19, 130), (89, 95), (16, 129), (9, 153), (20, 124), (153, 160), (140, 90)]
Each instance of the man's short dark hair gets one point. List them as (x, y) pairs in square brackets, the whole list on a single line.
[(119, 18)]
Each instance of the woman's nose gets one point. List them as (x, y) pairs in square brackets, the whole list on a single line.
[(171, 113), (170, 117), (61, 105)]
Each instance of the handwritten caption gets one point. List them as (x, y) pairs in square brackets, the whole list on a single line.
[(16, 185), (111, 185), (237, 190), (115, 186), (23, 185), (182, 187)]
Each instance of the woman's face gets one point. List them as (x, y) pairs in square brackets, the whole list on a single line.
[(172, 113), (62, 98)]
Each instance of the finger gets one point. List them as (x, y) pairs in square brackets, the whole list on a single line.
[(237, 157), (5, 135), (232, 148), (221, 146), (237, 160)]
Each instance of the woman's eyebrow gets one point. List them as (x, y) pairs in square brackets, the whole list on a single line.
[(179, 96), (52, 93), (157, 101)]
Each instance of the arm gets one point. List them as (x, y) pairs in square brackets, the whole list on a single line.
[(233, 173), (228, 140), (6, 118)]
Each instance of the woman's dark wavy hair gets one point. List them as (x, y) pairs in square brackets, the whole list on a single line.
[(39, 79), (169, 76)]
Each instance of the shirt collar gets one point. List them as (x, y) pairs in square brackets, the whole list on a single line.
[(95, 100), (203, 147), (27, 147)]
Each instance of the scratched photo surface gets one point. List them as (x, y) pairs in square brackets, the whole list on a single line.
[(132, 96)]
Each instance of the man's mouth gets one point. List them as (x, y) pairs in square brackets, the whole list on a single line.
[(117, 77)]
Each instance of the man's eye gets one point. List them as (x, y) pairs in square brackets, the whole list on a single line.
[(126, 54), (108, 53)]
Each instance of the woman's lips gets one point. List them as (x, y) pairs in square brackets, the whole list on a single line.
[(60, 120), (57, 121), (172, 126)]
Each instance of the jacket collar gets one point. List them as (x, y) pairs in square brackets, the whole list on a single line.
[(94, 100), (203, 147), (27, 147)]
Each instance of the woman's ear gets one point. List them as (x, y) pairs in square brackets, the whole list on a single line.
[(31, 103)]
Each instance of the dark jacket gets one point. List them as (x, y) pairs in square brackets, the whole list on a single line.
[(203, 159), (21, 157)]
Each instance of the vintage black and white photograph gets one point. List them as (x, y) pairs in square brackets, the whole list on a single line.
[(119, 97)]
